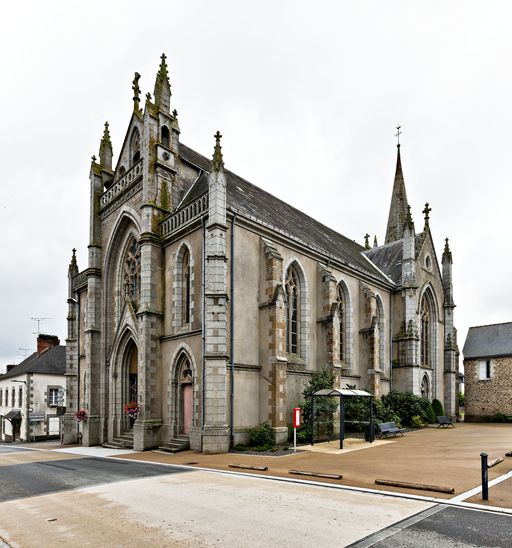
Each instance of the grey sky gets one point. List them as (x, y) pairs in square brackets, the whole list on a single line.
[(307, 96)]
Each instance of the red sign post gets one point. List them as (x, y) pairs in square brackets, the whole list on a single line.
[(296, 424)]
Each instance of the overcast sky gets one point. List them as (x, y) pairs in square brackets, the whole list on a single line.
[(307, 96)]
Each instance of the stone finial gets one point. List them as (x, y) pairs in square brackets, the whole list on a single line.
[(136, 92), (447, 254), (73, 266), (409, 223), (106, 149), (375, 244), (366, 241), (93, 159), (162, 91), (426, 213), (218, 160)]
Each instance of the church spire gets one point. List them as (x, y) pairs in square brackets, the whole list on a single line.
[(163, 87), (106, 149), (398, 208)]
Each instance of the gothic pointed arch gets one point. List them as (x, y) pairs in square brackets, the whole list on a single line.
[(135, 146), (183, 406), (344, 308), (183, 297), (425, 387), (428, 315), (296, 309)]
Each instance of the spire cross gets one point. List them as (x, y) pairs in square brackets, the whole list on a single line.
[(366, 241), (218, 137), (398, 133), (426, 212)]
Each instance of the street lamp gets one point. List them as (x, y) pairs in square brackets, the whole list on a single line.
[(27, 407)]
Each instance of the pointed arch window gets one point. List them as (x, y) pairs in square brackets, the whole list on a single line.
[(135, 146), (425, 335), (165, 136), (292, 290), (343, 322), (131, 272), (425, 388), (185, 286)]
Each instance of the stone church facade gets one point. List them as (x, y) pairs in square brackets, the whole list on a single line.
[(209, 302)]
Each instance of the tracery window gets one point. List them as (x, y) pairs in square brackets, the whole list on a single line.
[(425, 332), (132, 272), (342, 318), (185, 288), (292, 290)]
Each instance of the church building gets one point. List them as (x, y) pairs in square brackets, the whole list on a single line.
[(207, 303)]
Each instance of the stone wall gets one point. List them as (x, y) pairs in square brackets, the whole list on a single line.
[(486, 397)]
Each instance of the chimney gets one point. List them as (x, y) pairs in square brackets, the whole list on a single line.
[(10, 366), (45, 342)]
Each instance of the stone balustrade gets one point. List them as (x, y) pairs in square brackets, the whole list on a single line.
[(184, 215), (123, 183)]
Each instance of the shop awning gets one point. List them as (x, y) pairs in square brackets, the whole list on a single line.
[(13, 415)]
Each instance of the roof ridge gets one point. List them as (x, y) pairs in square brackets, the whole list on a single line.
[(490, 325)]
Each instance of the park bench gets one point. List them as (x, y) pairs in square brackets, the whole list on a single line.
[(444, 422), (390, 428)]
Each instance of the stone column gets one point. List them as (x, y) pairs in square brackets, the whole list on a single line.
[(451, 351)]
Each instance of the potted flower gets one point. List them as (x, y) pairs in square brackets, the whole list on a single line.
[(80, 415), (132, 409)]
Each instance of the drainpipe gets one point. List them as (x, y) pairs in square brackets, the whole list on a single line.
[(232, 331), (203, 326), (27, 408)]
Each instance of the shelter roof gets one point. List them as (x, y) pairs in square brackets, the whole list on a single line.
[(343, 392)]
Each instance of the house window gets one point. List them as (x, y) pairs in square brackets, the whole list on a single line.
[(485, 370), (6, 397), (292, 289), (53, 396), (20, 397), (13, 397), (1, 397)]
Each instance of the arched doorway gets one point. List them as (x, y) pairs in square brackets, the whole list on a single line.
[(425, 387), (183, 396), (129, 382)]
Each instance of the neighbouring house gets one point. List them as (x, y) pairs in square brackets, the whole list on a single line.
[(207, 303), (488, 371), (34, 388)]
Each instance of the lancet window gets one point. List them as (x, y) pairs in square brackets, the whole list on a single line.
[(292, 289)]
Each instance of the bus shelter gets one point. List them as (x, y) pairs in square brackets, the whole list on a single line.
[(342, 394)]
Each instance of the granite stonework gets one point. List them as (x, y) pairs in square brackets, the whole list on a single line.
[(187, 313)]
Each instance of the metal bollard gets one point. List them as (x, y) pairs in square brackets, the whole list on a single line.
[(485, 476)]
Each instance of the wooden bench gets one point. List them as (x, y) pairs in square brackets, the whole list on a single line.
[(390, 428), (444, 422)]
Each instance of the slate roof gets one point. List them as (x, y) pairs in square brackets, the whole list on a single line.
[(50, 362), (248, 200), (488, 341), (388, 257)]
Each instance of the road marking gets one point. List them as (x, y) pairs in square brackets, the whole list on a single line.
[(476, 490)]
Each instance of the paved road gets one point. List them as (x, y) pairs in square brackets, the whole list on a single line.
[(100, 501)]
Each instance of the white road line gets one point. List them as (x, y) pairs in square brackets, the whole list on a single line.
[(476, 490)]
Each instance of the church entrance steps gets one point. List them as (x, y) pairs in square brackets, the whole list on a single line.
[(123, 441), (175, 445)]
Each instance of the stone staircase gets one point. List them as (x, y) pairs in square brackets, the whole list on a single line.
[(124, 441), (175, 445)]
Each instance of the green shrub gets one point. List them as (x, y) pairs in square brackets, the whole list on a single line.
[(406, 405), (461, 398), (241, 447), (262, 436), (437, 407), (416, 422), (500, 417)]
